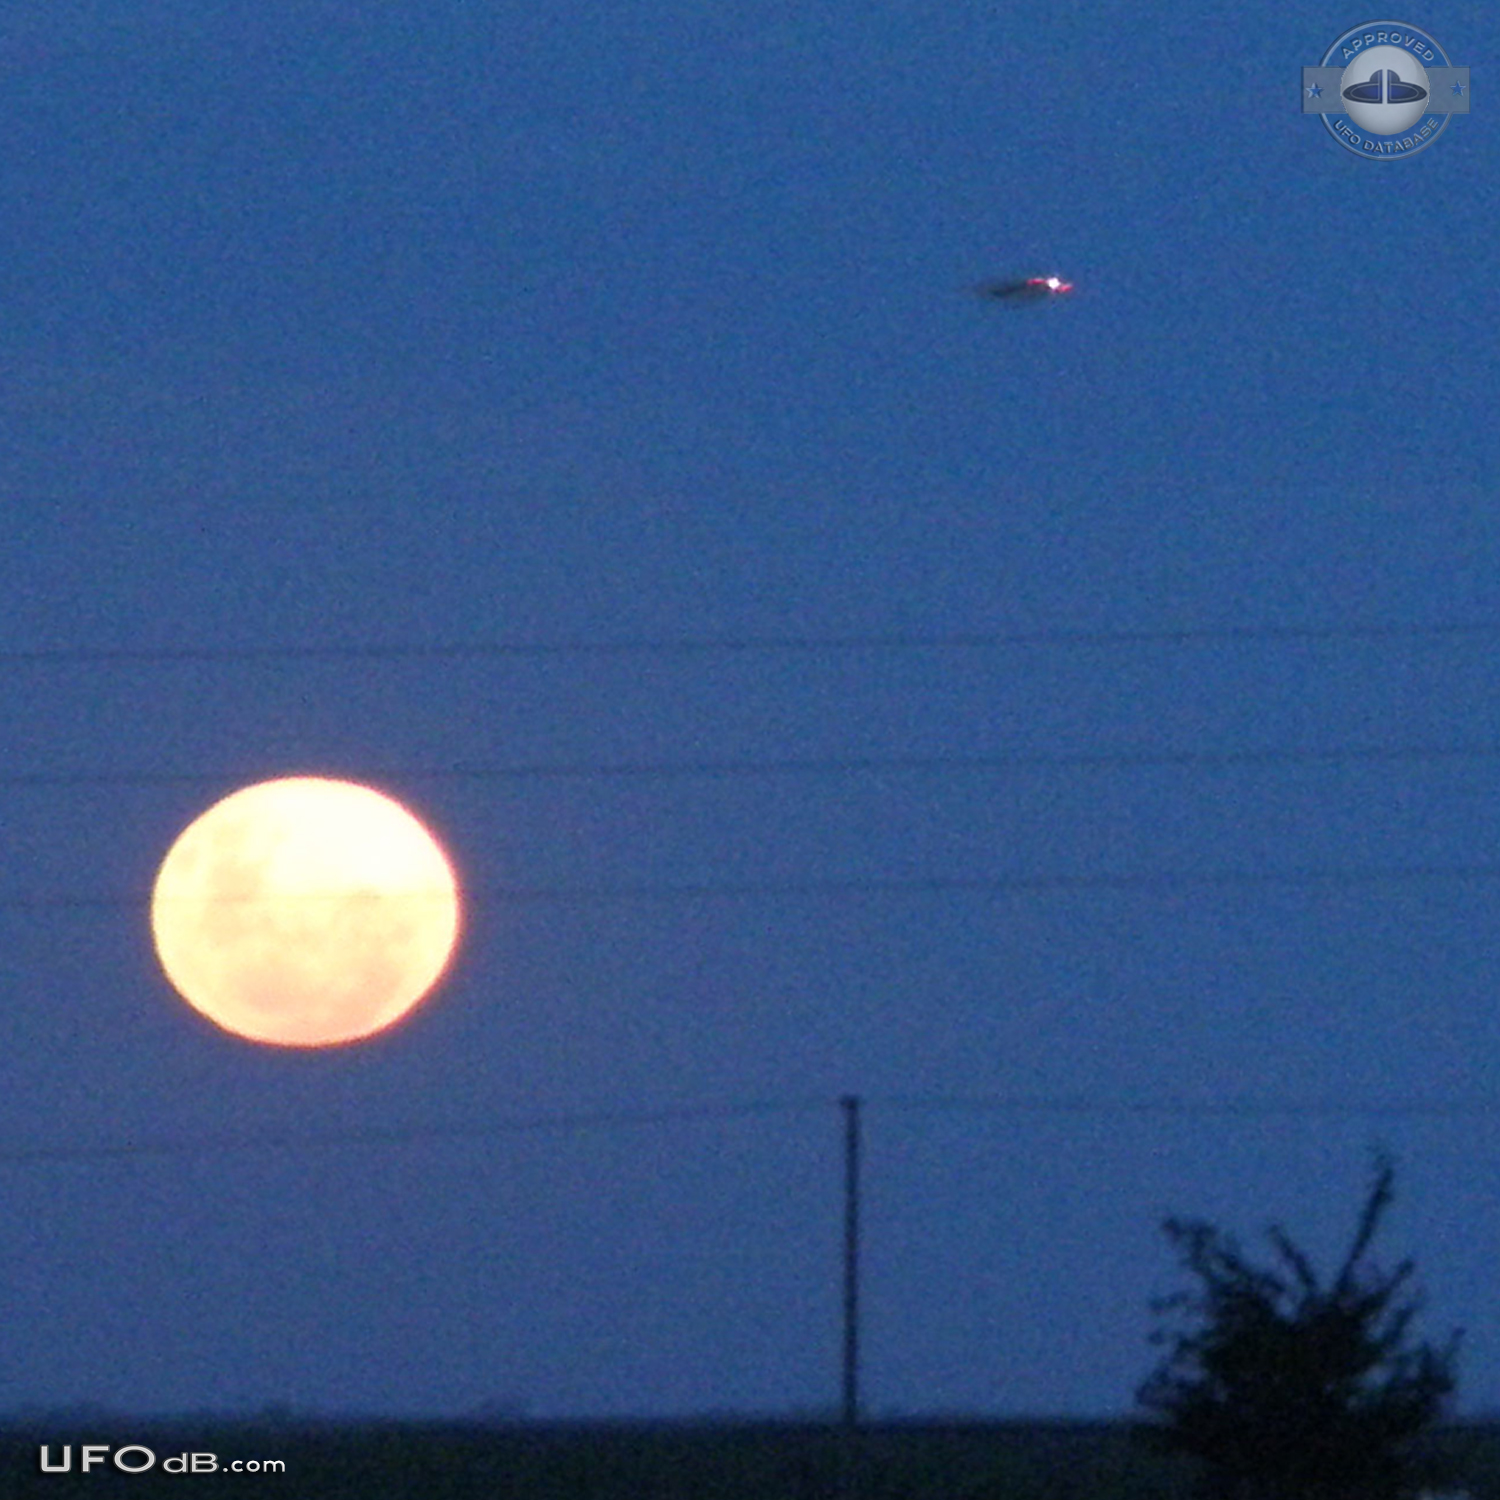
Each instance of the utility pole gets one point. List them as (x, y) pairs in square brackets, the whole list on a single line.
[(850, 1104)]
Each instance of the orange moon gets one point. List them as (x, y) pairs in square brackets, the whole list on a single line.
[(305, 912)]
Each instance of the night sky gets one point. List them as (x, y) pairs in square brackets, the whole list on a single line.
[(863, 689)]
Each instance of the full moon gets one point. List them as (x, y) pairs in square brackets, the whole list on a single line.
[(305, 912)]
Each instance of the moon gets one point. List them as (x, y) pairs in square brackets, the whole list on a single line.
[(305, 912)]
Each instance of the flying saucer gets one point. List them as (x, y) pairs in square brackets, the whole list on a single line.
[(1026, 290)]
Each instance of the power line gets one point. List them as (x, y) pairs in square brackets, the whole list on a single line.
[(932, 885), (1079, 1104), (745, 644), (580, 1120), (633, 1119), (847, 765)]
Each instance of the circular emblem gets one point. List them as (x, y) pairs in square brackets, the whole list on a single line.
[(1385, 90)]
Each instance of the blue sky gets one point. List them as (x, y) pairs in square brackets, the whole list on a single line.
[(461, 326)]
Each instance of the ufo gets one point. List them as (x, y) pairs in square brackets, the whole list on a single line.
[(1385, 86), (1026, 290)]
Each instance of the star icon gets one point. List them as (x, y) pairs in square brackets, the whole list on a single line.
[(1458, 88), (1315, 91)]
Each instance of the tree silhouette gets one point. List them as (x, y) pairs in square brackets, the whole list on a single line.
[(1288, 1390)]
